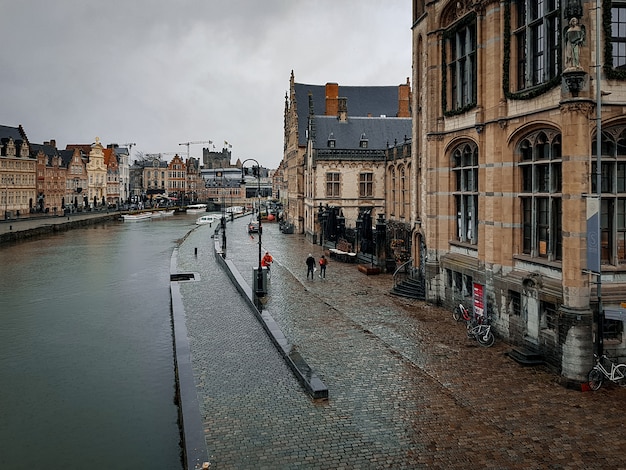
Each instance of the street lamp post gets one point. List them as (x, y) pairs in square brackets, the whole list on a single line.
[(260, 292)]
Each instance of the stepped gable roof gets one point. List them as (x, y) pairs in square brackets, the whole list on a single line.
[(379, 132), (361, 101)]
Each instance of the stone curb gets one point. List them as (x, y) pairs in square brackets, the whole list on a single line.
[(191, 426)]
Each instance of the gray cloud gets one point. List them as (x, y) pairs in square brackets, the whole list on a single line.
[(159, 73)]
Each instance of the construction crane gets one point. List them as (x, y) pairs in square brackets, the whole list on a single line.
[(193, 143), (130, 146)]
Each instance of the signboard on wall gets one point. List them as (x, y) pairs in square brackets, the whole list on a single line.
[(593, 234), (479, 299)]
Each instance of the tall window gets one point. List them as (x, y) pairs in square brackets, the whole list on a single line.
[(613, 207), (332, 184), (403, 193), (465, 170), (366, 185), (618, 35), (461, 66), (536, 36), (394, 200), (540, 167)]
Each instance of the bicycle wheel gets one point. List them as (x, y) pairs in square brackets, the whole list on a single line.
[(595, 379), (620, 375), (456, 313), (486, 339)]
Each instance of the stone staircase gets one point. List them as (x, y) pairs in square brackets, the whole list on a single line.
[(525, 356), (411, 287)]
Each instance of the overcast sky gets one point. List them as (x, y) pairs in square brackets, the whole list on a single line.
[(162, 72)]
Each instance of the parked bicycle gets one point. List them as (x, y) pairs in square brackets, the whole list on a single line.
[(600, 372), (461, 313), (479, 328)]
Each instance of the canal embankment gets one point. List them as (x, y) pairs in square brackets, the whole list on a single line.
[(14, 230)]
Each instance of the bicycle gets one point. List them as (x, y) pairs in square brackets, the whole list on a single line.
[(599, 372), (479, 328), (461, 313)]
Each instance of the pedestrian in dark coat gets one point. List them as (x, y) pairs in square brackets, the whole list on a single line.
[(310, 266)]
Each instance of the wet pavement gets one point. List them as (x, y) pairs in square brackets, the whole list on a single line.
[(407, 389)]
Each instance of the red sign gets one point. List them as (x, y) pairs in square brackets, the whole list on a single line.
[(479, 300)]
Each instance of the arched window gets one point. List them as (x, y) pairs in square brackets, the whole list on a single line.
[(613, 206), (540, 165), (465, 171)]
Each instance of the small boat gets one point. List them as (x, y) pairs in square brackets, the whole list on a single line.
[(195, 208), (235, 210), (137, 217), (207, 220), (159, 214)]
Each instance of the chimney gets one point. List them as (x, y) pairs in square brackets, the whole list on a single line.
[(404, 99), (53, 143), (332, 99), (342, 109)]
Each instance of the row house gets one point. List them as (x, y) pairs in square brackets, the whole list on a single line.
[(17, 172), (76, 179), (518, 146), (42, 178), (113, 176), (303, 104), (177, 178), (51, 176)]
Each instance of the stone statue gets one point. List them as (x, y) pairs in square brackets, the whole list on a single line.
[(574, 38)]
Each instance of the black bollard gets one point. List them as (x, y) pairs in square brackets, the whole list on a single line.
[(196, 251), (10, 227)]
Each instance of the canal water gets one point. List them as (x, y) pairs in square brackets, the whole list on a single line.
[(86, 352)]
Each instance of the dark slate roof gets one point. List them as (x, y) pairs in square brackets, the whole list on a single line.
[(378, 131), (48, 150), (361, 101), (7, 132), (66, 156)]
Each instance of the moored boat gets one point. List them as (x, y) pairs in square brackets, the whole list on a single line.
[(137, 217), (158, 214), (195, 208), (207, 220)]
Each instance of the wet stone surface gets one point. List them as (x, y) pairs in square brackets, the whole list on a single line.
[(407, 389)]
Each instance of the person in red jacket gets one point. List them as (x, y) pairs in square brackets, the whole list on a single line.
[(323, 263)]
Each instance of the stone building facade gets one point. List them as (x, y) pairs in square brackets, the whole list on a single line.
[(303, 173), (504, 139)]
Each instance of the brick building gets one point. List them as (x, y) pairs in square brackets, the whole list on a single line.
[(504, 137)]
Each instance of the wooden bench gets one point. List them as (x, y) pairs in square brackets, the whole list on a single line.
[(343, 252)]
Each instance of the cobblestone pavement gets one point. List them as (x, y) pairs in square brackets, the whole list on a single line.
[(407, 389)]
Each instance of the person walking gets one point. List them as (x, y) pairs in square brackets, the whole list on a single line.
[(310, 266), (323, 263)]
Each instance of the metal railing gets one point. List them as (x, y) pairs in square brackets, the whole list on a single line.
[(402, 272)]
